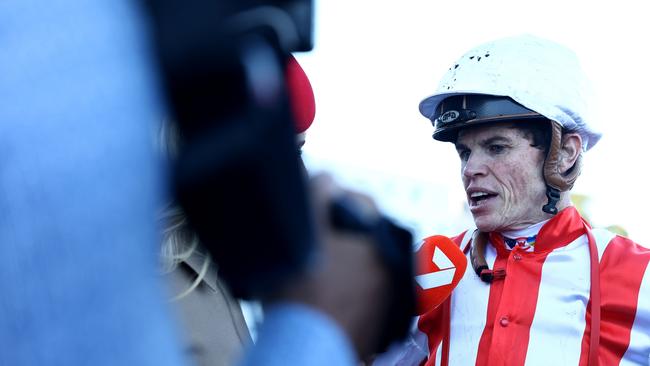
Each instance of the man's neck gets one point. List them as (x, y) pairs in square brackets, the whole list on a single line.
[(525, 232)]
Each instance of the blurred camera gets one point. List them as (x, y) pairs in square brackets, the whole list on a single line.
[(238, 175)]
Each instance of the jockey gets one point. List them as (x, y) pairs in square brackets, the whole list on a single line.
[(546, 289)]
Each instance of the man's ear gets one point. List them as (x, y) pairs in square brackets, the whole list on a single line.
[(570, 150)]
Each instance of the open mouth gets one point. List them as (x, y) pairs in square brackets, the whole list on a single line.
[(479, 198)]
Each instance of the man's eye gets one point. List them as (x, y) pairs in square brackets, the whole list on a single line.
[(464, 154), (496, 149)]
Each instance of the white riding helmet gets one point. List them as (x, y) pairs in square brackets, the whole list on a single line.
[(543, 78)]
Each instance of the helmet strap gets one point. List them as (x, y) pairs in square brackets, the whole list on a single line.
[(553, 196), (477, 256), (557, 181)]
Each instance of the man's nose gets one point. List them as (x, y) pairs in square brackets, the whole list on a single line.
[(474, 166)]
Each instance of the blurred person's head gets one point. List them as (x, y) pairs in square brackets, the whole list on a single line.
[(180, 241)]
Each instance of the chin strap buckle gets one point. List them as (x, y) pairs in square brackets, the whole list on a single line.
[(488, 275), (553, 195)]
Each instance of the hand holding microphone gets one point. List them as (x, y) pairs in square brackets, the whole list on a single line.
[(362, 273)]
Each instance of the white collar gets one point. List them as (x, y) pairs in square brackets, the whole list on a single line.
[(524, 233)]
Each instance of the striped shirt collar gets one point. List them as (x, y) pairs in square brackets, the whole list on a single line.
[(557, 232)]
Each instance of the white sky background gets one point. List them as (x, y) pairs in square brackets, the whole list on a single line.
[(375, 60)]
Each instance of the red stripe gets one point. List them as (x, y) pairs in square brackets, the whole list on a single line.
[(622, 267), (444, 360), (511, 306), (561, 230), (496, 288)]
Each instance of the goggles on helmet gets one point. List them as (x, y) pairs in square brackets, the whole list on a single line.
[(460, 111)]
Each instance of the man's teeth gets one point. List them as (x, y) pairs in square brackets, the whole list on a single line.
[(478, 194)]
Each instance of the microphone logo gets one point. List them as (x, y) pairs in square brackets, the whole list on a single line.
[(444, 276), (440, 264)]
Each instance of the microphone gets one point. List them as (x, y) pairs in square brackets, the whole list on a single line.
[(440, 264)]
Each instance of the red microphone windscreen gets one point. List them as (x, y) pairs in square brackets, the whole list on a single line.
[(301, 95), (440, 264)]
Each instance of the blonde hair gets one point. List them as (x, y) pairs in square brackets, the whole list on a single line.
[(179, 241)]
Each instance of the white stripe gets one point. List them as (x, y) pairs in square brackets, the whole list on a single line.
[(420, 339), (638, 352), (438, 361), (559, 322), (466, 238), (468, 316)]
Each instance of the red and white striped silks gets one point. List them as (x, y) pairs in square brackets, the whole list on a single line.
[(539, 313)]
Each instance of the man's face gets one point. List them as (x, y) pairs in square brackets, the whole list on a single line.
[(502, 176)]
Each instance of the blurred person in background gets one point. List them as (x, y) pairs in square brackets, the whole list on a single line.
[(546, 287), (217, 327), (80, 186), (334, 274), (213, 325), (213, 328)]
